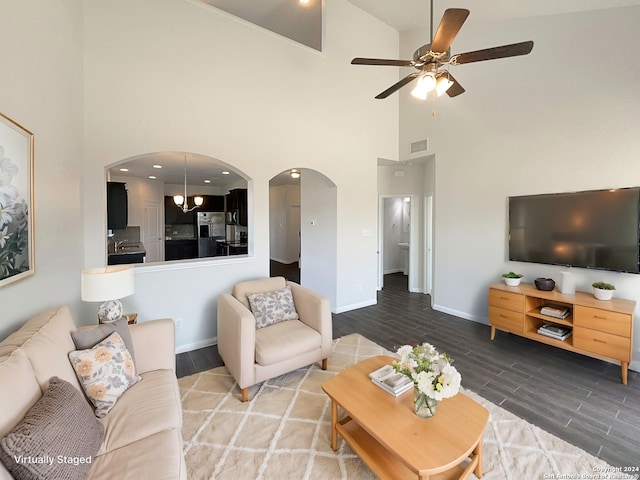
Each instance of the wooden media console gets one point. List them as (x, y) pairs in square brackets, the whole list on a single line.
[(601, 329)]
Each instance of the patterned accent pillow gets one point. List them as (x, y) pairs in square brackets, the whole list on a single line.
[(272, 307), (105, 372)]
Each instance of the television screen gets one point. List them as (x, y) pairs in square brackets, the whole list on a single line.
[(594, 229)]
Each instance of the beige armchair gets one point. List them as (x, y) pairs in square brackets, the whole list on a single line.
[(252, 354)]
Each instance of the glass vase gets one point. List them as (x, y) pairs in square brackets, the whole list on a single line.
[(424, 406)]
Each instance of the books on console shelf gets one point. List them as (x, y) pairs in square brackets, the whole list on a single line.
[(391, 381), (555, 331), (555, 311)]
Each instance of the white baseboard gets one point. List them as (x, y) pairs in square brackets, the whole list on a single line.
[(286, 262), (392, 270), (465, 315), (355, 306), (196, 345)]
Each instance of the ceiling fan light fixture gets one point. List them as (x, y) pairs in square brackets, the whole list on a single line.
[(426, 83), (443, 83)]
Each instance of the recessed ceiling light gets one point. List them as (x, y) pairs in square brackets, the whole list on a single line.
[(303, 2), (207, 181), (225, 173), (157, 166), (124, 169), (152, 177)]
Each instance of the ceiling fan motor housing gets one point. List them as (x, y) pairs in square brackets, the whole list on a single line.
[(424, 55)]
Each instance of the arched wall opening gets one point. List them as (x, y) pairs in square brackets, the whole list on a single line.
[(167, 232), (303, 229)]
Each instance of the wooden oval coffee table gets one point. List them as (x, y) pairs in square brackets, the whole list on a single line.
[(394, 443)]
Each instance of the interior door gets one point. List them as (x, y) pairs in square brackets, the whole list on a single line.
[(152, 239)]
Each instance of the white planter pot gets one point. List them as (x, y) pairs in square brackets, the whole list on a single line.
[(512, 282), (602, 294)]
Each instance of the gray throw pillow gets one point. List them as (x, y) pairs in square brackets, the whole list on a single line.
[(272, 307), (58, 437), (85, 339)]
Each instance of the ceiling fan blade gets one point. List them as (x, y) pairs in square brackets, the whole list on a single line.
[(455, 89), (397, 86), (381, 61), (449, 27), (512, 50)]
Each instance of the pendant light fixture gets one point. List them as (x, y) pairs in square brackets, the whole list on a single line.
[(181, 201)]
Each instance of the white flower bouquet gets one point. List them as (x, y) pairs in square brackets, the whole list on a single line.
[(431, 371)]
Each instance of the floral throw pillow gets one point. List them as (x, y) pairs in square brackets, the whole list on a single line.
[(105, 372), (272, 307)]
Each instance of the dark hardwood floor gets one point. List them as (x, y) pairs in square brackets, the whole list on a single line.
[(577, 398)]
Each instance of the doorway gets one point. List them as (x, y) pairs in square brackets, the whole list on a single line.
[(303, 211), (284, 227), (395, 238)]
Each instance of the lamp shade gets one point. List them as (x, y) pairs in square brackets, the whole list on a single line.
[(110, 283)]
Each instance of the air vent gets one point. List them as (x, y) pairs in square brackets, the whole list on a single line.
[(420, 146)]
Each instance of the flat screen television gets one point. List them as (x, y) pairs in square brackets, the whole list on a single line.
[(593, 229)]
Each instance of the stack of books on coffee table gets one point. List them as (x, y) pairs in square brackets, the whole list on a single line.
[(555, 331), (391, 381)]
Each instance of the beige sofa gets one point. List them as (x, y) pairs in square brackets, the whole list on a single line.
[(142, 436)]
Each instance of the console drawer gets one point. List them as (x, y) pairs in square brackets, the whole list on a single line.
[(612, 346), (508, 300), (602, 320), (506, 319)]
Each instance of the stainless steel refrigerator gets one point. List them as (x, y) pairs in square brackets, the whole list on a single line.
[(211, 227)]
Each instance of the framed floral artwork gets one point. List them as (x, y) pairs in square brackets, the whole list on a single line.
[(16, 202)]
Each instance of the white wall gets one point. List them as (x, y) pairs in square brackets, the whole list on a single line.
[(41, 59), (318, 236), (178, 75), (563, 118)]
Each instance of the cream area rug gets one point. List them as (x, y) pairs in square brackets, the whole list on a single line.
[(283, 431)]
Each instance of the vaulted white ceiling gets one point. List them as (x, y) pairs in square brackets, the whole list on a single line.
[(406, 15), (303, 23)]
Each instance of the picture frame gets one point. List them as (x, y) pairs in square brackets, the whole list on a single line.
[(16, 202)]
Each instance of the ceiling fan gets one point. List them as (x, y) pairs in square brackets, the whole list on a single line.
[(433, 59)]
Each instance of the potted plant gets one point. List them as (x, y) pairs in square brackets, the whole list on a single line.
[(603, 290), (512, 279)]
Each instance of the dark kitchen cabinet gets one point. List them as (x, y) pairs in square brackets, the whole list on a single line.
[(180, 249), (117, 206), (212, 203), (237, 205), (173, 214), (125, 258)]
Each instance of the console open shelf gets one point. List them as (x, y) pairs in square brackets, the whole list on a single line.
[(601, 329)]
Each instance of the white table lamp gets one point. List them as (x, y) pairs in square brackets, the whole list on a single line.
[(108, 285)]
